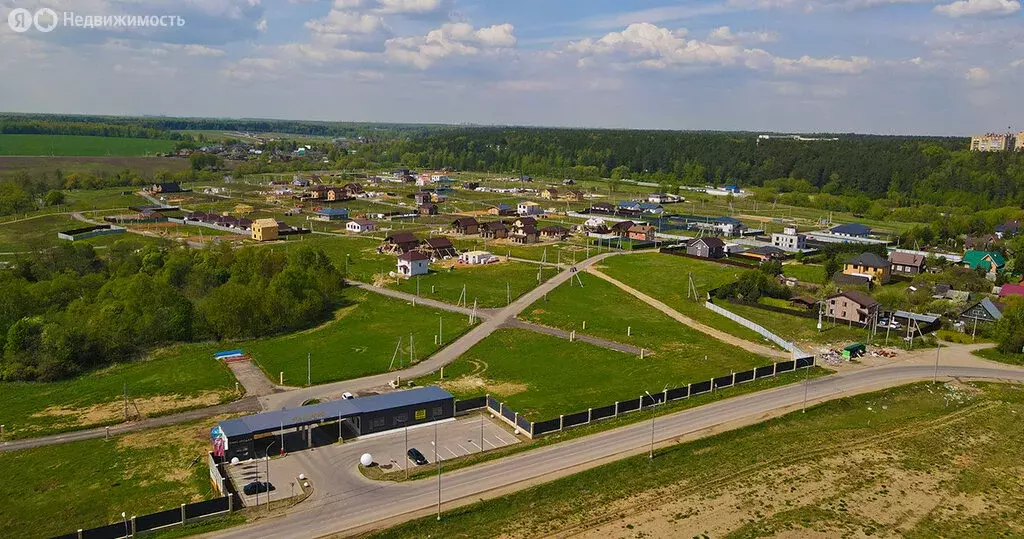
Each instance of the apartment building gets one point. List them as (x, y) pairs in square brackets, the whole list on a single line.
[(993, 142)]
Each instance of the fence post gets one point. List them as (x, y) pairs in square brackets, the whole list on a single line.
[(515, 421), (688, 390), (561, 422), (231, 503), (775, 368), (590, 415), (79, 533), (133, 525), (664, 398), (616, 409), (733, 376), (501, 409), (183, 513)]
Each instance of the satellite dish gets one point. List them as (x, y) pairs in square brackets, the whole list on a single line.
[(366, 459), (302, 476), (234, 460)]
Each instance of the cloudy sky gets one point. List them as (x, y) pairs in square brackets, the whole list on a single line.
[(879, 66)]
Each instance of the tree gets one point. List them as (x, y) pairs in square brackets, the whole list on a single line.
[(1009, 330), (620, 172), (54, 198)]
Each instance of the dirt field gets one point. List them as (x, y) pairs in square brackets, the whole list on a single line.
[(146, 165)]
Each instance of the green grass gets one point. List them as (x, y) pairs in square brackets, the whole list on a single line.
[(993, 354), (485, 284), (360, 341), (609, 311), (58, 489), (541, 376), (801, 329), (805, 273), (74, 145), (855, 466), (665, 277), (185, 371), (37, 233)]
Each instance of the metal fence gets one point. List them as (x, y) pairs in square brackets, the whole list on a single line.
[(756, 328), (475, 403), (160, 519)]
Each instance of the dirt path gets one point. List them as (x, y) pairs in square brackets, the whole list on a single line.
[(562, 334), (686, 320), (251, 378)]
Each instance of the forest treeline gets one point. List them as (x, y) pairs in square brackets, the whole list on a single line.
[(65, 310)]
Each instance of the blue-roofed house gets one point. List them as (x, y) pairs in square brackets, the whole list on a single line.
[(629, 205), (332, 214), (852, 230), (730, 226), (651, 208)]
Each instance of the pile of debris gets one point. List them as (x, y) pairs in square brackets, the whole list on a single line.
[(832, 356), (883, 352)]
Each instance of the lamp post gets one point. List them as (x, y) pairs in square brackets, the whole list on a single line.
[(268, 474), (438, 474), (124, 517), (650, 455), (938, 347)]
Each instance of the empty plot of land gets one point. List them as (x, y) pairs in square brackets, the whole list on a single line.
[(76, 145)]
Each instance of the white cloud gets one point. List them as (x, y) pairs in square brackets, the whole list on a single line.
[(852, 66), (345, 22), (1017, 63), (453, 39), (979, 8), (978, 75), (409, 6), (725, 34)]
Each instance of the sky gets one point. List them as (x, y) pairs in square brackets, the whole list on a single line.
[(941, 67)]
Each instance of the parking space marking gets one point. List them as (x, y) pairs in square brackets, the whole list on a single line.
[(490, 443), (498, 436), (463, 448)]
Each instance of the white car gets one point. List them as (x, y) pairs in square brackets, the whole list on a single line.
[(346, 395)]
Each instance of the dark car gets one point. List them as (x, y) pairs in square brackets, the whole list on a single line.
[(417, 457), (257, 486)]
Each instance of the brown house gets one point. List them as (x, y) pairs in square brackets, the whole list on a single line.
[(641, 233), (906, 263), (525, 235), (574, 196), (401, 242), (554, 232), (523, 222), (428, 209), (622, 228), (706, 248), (440, 248), (495, 230), (852, 306), (466, 225), (870, 265)]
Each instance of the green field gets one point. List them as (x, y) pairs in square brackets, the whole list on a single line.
[(360, 341), (41, 233), (489, 285), (175, 379), (541, 376), (608, 312), (58, 489), (796, 328), (665, 278), (74, 145), (916, 461), (805, 273)]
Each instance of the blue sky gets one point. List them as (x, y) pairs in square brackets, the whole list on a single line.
[(879, 66)]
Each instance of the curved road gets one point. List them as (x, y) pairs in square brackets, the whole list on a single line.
[(347, 503)]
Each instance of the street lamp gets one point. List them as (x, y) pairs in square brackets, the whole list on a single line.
[(124, 517), (650, 455), (938, 347), (268, 473)]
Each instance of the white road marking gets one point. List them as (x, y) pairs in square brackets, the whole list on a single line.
[(452, 452), (490, 443), (463, 448)]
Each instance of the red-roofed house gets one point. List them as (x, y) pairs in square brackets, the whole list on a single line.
[(1011, 290)]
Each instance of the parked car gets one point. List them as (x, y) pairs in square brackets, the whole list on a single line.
[(346, 395), (417, 457), (257, 486)]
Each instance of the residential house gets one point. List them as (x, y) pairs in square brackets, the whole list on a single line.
[(502, 210), (852, 306), (550, 193), (985, 311), (870, 265), (654, 209), (466, 225), (906, 263), (730, 226), (992, 262), (980, 243), (470, 186), (413, 263), (477, 258), (554, 233), (440, 248), (1011, 290), (528, 207), (621, 228), (595, 225), (523, 222), (352, 189), (765, 253), (789, 240), (264, 229), (332, 214), (524, 235), (641, 233), (437, 197), (423, 197), (1007, 229), (360, 226), (402, 242), (573, 195), (843, 280), (628, 206), (300, 182), (706, 248), (166, 187), (805, 302), (602, 207), (657, 198), (428, 209), (852, 230), (495, 230), (568, 181)]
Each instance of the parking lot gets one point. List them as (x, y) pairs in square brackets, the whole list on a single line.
[(324, 465)]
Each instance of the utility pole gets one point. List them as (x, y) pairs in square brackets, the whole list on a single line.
[(807, 371), (309, 369), (440, 331), (438, 475), (938, 347), (125, 396), (406, 423)]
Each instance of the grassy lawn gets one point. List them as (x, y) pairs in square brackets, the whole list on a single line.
[(57, 489), (37, 233), (914, 461), (665, 277), (360, 341), (542, 376), (174, 379), (993, 354), (805, 273), (608, 311), (800, 329), (485, 284), (76, 145)]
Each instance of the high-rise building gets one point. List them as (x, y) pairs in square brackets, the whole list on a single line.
[(1020, 141), (992, 142)]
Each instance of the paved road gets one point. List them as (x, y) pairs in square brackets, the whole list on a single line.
[(759, 349), (562, 334), (256, 383), (360, 504), (441, 358), (411, 298), (248, 404)]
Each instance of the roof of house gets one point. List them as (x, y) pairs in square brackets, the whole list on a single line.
[(906, 259), (841, 278), (623, 225), (995, 310), (428, 205), (362, 222), (1009, 226), (494, 226), (304, 415), (332, 211), (526, 221), (551, 190), (526, 230), (528, 203), (767, 250), (860, 298), (728, 220), (554, 230), (803, 300), (264, 223), (711, 243), (852, 229), (974, 259), (1011, 290), (439, 243), (402, 237), (413, 256), (870, 260), (643, 229), (464, 222), (501, 207)]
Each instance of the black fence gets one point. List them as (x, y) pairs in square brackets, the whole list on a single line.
[(510, 415), (470, 404), (672, 394), (161, 519), (523, 424)]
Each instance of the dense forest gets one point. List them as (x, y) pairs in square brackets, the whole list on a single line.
[(65, 310)]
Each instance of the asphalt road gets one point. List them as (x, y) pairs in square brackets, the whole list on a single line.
[(358, 504)]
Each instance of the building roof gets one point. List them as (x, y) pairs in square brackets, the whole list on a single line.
[(852, 229), (464, 222), (1011, 290), (332, 211), (494, 226), (305, 415), (870, 260), (554, 230), (623, 225), (767, 250), (439, 243), (728, 220), (711, 243), (860, 298), (402, 237), (841, 278), (974, 259), (362, 222), (906, 259), (527, 221), (993, 309), (919, 318), (528, 203), (413, 256)]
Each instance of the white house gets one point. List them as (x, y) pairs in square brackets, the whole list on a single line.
[(528, 207), (413, 263), (477, 258), (789, 240), (360, 225)]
